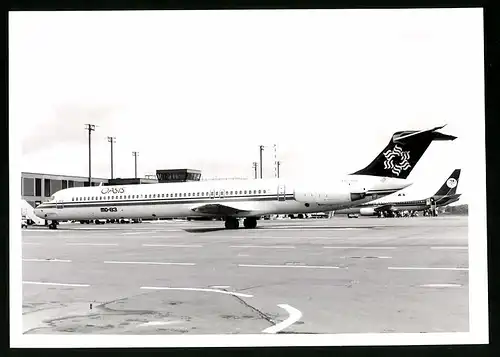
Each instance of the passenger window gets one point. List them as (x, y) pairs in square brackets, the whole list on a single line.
[(184, 194), (245, 192), (254, 192), (259, 191), (241, 192), (189, 194), (264, 191), (154, 196)]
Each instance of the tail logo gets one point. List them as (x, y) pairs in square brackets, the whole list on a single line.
[(451, 183), (401, 157)]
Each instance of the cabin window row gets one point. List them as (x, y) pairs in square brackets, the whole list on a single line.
[(171, 195)]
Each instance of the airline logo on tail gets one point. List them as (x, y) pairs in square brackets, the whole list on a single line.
[(401, 165), (451, 183)]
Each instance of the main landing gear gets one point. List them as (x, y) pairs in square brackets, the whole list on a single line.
[(53, 225), (233, 223)]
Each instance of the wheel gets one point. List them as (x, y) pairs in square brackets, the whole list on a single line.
[(250, 222), (232, 223)]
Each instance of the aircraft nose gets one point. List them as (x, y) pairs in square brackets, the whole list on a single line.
[(38, 212)]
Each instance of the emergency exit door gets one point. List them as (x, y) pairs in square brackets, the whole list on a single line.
[(281, 192)]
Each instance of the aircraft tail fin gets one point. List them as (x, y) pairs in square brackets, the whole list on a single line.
[(449, 188), (403, 152)]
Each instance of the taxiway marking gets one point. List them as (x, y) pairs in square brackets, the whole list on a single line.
[(327, 247), (174, 245), (441, 285), (57, 284), (146, 263), (365, 257), (47, 260), (140, 232), (458, 247), (92, 244), (263, 246), (294, 316), (159, 323), (196, 289), (424, 268), (289, 266)]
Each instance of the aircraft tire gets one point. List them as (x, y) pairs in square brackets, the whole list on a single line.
[(232, 223), (250, 222)]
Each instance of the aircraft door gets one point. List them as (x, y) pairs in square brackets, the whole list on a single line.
[(281, 192)]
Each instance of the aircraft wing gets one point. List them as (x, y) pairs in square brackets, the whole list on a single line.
[(382, 208), (218, 209)]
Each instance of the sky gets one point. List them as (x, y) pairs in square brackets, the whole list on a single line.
[(203, 89)]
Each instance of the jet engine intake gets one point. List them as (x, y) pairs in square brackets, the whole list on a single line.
[(366, 211)]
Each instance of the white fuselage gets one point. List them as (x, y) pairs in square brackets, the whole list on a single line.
[(249, 198)]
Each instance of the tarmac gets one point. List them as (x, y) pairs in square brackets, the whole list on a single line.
[(339, 275)]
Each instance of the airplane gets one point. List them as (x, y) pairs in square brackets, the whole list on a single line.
[(232, 200), (390, 205)]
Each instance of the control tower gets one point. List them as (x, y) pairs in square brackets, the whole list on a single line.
[(178, 175)]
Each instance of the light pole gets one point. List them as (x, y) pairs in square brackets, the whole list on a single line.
[(111, 139), (261, 148), (135, 154), (278, 163), (254, 165), (90, 128)]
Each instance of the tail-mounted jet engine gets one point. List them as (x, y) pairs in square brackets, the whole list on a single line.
[(332, 194)]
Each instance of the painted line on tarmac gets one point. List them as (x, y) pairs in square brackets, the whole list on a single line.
[(196, 289), (139, 232), (56, 284), (174, 245), (92, 244), (424, 268), (220, 286), (289, 266), (441, 285), (457, 247), (294, 316), (366, 257), (327, 247), (263, 246), (309, 228), (159, 323), (47, 260), (146, 263)]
